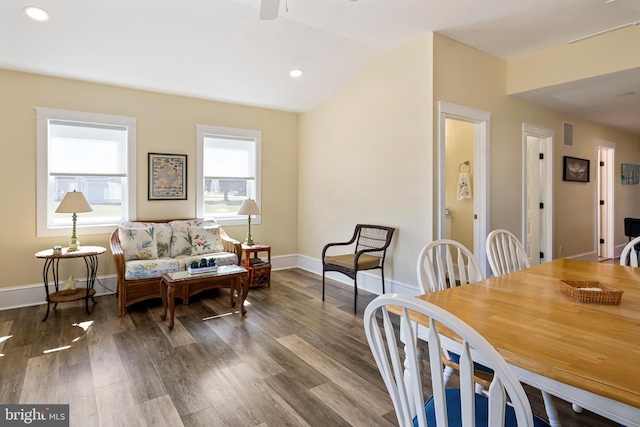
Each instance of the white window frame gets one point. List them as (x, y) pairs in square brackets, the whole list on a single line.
[(43, 116), (203, 130)]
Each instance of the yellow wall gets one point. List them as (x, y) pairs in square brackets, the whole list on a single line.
[(466, 76), (364, 156), (166, 124), (608, 53)]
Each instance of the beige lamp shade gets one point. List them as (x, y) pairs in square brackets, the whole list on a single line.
[(74, 202), (249, 207)]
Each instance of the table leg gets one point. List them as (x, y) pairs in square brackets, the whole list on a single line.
[(171, 294), (232, 291), (245, 292), (550, 408), (91, 262), (163, 295), (45, 279)]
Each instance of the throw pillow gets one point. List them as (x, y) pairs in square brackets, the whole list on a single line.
[(181, 243), (138, 243), (163, 233), (206, 240)]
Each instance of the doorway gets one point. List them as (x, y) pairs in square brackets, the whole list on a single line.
[(537, 191), (478, 161), (605, 153)]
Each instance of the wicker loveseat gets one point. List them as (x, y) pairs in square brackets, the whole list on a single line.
[(144, 250)]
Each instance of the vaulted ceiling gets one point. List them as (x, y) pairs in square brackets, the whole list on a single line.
[(221, 50)]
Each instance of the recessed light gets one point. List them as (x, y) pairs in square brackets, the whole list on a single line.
[(36, 13), (295, 73)]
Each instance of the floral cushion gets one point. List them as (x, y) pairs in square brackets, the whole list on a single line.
[(145, 269), (138, 243), (206, 240), (181, 243), (162, 234), (163, 239)]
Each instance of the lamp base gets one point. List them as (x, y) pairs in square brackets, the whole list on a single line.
[(74, 245), (249, 239)]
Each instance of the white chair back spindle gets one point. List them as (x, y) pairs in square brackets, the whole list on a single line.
[(505, 253), (437, 270)]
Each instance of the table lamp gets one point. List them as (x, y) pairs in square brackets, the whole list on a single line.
[(74, 202), (249, 207)]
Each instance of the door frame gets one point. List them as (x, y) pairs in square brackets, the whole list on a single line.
[(610, 148), (547, 136), (481, 124)]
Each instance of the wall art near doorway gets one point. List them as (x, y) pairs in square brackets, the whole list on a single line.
[(575, 169), (167, 176), (630, 174)]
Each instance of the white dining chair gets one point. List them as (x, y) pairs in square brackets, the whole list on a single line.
[(402, 373), (445, 263), (435, 268), (629, 256), (505, 253)]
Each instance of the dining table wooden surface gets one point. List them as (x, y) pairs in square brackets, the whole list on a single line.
[(585, 353)]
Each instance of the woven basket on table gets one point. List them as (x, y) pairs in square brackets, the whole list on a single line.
[(574, 289)]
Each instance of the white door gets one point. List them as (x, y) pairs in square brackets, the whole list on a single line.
[(533, 200), (537, 193), (604, 199)]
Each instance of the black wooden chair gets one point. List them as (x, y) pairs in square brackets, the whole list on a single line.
[(632, 229), (371, 246)]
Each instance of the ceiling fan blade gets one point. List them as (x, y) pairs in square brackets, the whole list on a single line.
[(269, 9)]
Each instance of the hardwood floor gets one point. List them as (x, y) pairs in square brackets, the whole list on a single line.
[(293, 361)]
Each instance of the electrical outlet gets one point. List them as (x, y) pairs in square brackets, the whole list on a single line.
[(560, 250)]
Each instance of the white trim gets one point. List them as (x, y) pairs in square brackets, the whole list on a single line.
[(201, 130), (548, 136), (43, 115), (482, 122)]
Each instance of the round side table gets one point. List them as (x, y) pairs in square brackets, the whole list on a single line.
[(51, 260)]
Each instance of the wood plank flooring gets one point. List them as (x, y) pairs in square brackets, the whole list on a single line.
[(293, 361)]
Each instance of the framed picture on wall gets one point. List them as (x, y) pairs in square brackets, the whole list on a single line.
[(167, 176), (630, 174), (575, 169)]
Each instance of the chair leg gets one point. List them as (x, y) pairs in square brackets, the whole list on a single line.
[(323, 284), (355, 293), (383, 280)]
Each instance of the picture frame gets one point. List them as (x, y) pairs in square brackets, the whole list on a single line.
[(167, 176), (630, 174), (575, 169)]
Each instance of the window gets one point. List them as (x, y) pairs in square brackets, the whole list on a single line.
[(228, 172), (87, 152)]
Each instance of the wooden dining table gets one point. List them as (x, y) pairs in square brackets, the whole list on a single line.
[(585, 353)]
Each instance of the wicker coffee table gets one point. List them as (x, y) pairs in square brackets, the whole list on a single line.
[(227, 276)]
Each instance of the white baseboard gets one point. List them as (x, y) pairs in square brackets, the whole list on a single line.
[(29, 295), (367, 281)]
